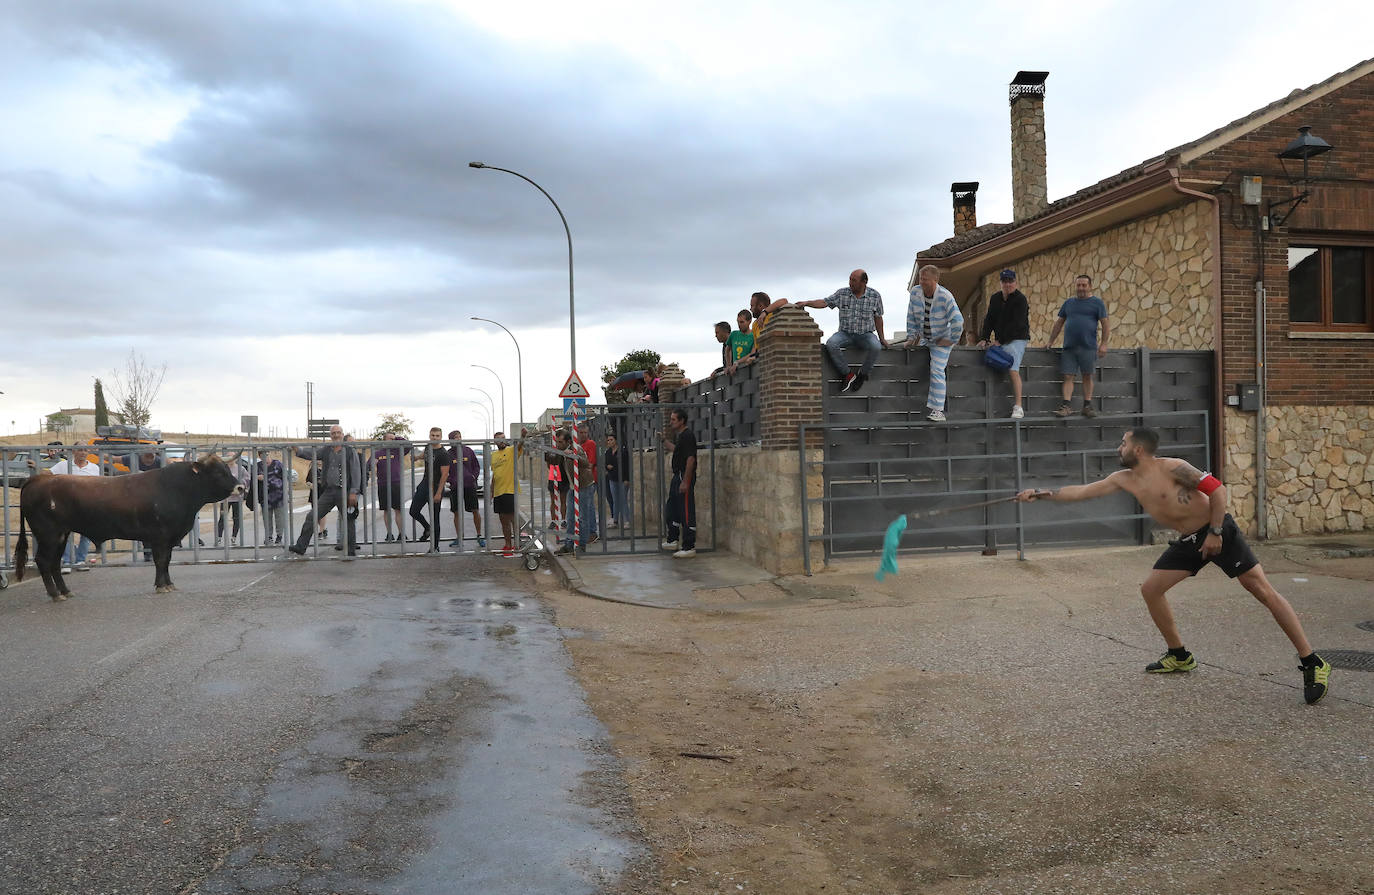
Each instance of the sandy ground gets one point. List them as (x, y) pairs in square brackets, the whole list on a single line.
[(984, 726)]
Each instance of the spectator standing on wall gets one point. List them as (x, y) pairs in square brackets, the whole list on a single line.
[(933, 321), (1008, 325), (741, 343), (1078, 319), (861, 327)]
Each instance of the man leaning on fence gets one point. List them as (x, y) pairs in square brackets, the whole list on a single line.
[(339, 484)]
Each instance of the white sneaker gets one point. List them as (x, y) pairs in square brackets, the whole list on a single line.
[(685, 554), (936, 416), (671, 545), (1017, 413)]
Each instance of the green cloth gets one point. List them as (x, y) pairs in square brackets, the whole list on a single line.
[(890, 542)]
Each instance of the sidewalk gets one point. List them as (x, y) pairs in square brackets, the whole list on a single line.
[(720, 580)]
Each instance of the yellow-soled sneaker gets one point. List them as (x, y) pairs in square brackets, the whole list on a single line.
[(1315, 680), (1168, 662)]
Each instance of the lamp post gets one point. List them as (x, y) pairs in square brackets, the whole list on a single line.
[(494, 430), (502, 421), (486, 415), (572, 318), (519, 368)]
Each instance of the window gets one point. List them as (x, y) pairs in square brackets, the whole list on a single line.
[(1331, 287)]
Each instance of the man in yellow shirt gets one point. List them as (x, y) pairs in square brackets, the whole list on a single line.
[(503, 490)]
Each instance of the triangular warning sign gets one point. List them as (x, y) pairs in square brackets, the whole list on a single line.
[(573, 388)]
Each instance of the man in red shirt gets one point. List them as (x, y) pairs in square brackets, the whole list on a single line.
[(587, 496)]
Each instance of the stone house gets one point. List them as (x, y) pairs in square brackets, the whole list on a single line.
[(1254, 221)]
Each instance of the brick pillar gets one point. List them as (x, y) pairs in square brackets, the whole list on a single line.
[(789, 378), (670, 381), (1029, 189)]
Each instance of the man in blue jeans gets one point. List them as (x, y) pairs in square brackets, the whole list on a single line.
[(1078, 318), (861, 314)]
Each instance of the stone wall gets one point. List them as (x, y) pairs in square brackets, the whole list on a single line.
[(1319, 475), (1155, 275), (1029, 186)]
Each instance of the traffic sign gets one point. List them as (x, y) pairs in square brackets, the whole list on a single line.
[(573, 388)]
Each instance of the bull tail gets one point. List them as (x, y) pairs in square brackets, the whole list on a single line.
[(21, 552)]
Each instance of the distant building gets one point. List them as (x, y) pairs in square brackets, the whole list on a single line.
[(83, 421)]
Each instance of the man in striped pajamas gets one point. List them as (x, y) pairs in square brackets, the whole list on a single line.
[(933, 321)]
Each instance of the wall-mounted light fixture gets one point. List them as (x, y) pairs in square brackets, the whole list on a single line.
[(1305, 146)]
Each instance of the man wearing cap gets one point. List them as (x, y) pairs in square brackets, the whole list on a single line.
[(1008, 325), (1078, 318), (861, 313), (933, 321)]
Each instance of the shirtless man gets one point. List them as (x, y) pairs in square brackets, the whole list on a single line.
[(1180, 497)]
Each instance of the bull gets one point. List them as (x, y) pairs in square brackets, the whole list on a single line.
[(157, 507)]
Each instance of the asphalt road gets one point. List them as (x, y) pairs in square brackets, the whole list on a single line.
[(379, 726)]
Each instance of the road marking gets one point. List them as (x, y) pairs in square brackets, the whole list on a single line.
[(253, 582)]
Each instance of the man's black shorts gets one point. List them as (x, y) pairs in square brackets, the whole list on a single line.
[(469, 500), (388, 496), (504, 504), (1185, 555)]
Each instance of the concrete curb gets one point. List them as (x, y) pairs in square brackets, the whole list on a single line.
[(569, 577)]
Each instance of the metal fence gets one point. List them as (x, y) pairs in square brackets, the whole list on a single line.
[(646, 458), (248, 529), (724, 408), (983, 460)]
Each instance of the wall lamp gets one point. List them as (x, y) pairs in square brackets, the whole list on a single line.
[(1305, 146)]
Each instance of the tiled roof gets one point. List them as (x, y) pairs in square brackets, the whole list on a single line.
[(979, 235)]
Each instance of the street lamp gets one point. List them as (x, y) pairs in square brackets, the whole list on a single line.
[(519, 367), (503, 392), (486, 415), (572, 321), (494, 430)]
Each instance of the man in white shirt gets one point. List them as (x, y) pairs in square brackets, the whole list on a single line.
[(80, 464)]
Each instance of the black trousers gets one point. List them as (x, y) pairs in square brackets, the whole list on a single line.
[(418, 501), (680, 511), (330, 499)]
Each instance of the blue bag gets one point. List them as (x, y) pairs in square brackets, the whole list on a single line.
[(997, 357)]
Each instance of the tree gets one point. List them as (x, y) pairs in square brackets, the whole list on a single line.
[(58, 422), (393, 424), (639, 359), (102, 411), (135, 388)]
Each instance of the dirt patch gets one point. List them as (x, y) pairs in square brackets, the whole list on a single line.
[(987, 739)]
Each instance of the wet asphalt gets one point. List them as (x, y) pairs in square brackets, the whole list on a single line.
[(377, 726)]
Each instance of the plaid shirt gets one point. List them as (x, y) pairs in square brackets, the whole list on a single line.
[(856, 311)]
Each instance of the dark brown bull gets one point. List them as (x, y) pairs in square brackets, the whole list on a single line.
[(157, 507)]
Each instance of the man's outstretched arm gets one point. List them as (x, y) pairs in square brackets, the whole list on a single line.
[(1099, 488)]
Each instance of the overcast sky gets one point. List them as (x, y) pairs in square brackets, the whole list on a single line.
[(262, 193)]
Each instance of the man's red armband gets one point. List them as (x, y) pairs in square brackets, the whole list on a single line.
[(1209, 484)]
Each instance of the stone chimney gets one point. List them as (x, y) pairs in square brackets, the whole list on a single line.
[(1029, 190), (965, 206)]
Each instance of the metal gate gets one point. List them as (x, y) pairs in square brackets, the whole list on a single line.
[(637, 504)]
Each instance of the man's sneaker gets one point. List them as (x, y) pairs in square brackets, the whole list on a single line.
[(481, 542), (685, 554), (936, 416), (1168, 662), (1088, 411), (1315, 679), (389, 537), (1063, 410), (564, 550), (858, 383), (455, 543), (849, 380), (1017, 413), (671, 545), (299, 551), (507, 551)]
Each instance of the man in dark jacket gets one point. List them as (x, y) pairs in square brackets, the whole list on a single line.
[(340, 481), (1008, 325)]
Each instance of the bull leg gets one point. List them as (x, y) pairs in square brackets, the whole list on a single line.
[(162, 558), (49, 554)]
